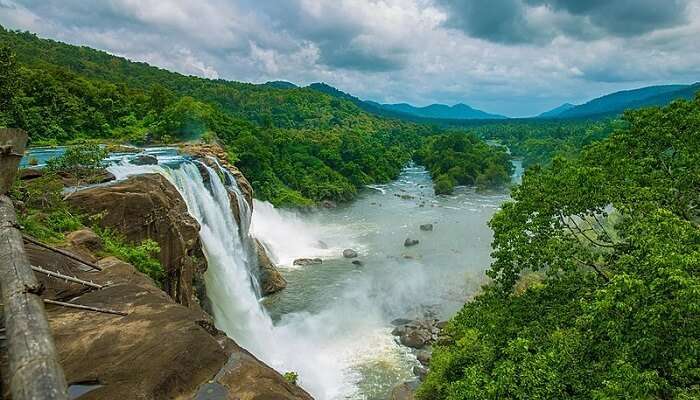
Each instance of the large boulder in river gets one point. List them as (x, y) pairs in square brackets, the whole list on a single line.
[(350, 253), (307, 261), (410, 242), (426, 227), (150, 207), (270, 279), (418, 333), (159, 350)]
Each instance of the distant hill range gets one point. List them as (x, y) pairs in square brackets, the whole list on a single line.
[(407, 111), (616, 103)]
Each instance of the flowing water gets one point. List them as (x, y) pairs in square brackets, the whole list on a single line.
[(332, 323)]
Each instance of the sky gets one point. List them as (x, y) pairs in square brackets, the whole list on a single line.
[(512, 57)]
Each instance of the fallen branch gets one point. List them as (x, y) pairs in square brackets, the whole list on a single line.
[(69, 278), (82, 307), (62, 252)]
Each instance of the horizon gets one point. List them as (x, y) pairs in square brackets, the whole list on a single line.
[(516, 58)]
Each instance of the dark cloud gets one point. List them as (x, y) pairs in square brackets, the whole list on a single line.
[(535, 21)]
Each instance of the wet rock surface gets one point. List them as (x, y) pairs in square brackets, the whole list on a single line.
[(270, 279), (150, 207), (426, 227), (144, 159), (404, 391)]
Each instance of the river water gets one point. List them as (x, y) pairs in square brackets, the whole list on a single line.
[(344, 311), (332, 324)]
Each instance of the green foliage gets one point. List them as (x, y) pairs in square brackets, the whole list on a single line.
[(41, 211), (81, 161), (615, 316), (291, 377), (461, 159), (143, 256)]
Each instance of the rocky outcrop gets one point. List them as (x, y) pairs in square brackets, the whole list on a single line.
[(307, 261), (149, 207), (270, 279), (410, 242), (418, 333), (159, 350)]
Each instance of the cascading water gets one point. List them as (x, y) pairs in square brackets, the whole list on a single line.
[(231, 284)]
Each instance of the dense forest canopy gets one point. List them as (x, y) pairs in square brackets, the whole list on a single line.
[(596, 276)]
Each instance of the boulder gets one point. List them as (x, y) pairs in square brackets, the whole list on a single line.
[(358, 263), (426, 227), (86, 239), (308, 261), (150, 207), (270, 279), (350, 253), (418, 333), (27, 174), (404, 391), (410, 242), (144, 159)]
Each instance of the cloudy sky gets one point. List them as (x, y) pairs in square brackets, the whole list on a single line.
[(515, 57)]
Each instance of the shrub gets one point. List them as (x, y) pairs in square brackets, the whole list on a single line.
[(143, 256)]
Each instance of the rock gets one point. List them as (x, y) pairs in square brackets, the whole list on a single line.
[(322, 245), (100, 176), (150, 207), (418, 333), (27, 174), (144, 159), (420, 371), (86, 239), (424, 357), (416, 338), (159, 350), (358, 263), (120, 148), (270, 279), (404, 391), (441, 324), (307, 261), (426, 227), (328, 204), (350, 253), (410, 242)]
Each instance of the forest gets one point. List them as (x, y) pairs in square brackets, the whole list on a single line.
[(595, 291), (297, 146)]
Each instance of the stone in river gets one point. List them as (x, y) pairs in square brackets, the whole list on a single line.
[(358, 263), (308, 261), (349, 253), (410, 242), (145, 159), (424, 357), (426, 227)]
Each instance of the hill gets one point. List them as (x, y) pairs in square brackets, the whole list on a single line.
[(555, 112), (617, 102), (442, 111)]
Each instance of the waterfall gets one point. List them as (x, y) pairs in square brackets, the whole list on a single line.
[(296, 345)]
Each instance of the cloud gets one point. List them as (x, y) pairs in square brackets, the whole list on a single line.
[(537, 21), (514, 57)]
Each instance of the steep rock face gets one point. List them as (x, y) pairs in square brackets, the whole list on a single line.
[(149, 206), (271, 280), (159, 350)]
